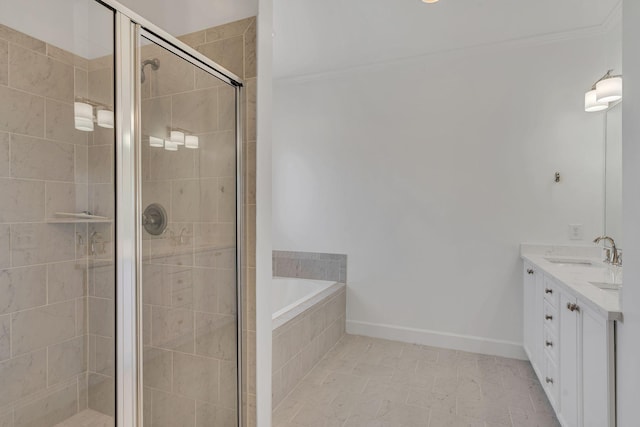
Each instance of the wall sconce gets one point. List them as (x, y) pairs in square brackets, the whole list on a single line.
[(84, 118), (606, 90), (175, 138)]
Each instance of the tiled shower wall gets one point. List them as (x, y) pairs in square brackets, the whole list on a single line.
[(46, 279), (310, 265)]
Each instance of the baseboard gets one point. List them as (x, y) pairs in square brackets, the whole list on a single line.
[(438, 339)]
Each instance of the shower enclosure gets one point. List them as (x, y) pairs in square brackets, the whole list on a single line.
[(120, 201)]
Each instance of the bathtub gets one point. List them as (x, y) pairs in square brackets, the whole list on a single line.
[(308, 320)]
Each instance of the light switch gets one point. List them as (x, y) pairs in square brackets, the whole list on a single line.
[(575, 232)]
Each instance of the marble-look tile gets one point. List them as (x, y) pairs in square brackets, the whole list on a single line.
[(208, 414), (231, 29), (38, 74), (21, 112), (216, 336), (30, 243), (59, 123), (43, 326), (193, 39), (205, 80), (196, 377), (100, 164), (22, 376), (36, 158), (102, 200), (49, 410), (4, 63), (105, 355), (22, 201), (172, 329), (229, 382), (252, 94), (67, 57), (170, 410), (5, 337), (196, 111), (81, 164), (82, 306), (65, 360), (65, 197), (226, 108), (228, 52), (102, 394), (81, 83), (22, 39), (175, 75), (101, 316), (166, 165), (194, 200), (217, 154), (226, 199), (5, 155), (157, 368), (156, 116), (250, 49), (5, 249), (22, 288), (100, 85), (250, 187)]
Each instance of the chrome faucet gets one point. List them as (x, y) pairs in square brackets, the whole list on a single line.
[(613, 255)]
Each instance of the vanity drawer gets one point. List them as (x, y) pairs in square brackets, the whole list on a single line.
[(551, 293), (550, 343), (550, 316), (551, 382)]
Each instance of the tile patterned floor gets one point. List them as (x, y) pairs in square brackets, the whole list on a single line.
[(366, 382), (87, 418)]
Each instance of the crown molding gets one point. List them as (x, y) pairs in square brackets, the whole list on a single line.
[(611, 23)]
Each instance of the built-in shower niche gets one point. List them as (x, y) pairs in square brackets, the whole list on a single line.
[(56, 270)]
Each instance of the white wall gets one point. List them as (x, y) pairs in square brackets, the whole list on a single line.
[(430, 172), (628, 345), (263, 214)]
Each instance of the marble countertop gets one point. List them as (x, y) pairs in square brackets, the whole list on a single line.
[(576, 278)]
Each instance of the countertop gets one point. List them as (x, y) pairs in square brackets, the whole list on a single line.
[(576, 278)]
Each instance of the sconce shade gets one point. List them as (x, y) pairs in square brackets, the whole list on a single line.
[(609, 90), (191, 141), (156, 142), (177, 137), (170, 145), (591, 104), (83, 115), (105, 119)]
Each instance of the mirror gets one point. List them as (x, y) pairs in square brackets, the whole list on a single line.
[(613, 174)]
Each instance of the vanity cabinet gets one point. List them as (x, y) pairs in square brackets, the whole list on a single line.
[(571, 348)]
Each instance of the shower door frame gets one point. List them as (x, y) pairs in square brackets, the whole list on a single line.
[(129, 28)]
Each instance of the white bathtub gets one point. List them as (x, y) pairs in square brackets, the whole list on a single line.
[(287, 293)]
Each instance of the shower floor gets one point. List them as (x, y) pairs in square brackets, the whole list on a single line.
[(88, 418)]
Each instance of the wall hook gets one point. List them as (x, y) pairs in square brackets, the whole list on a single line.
[(557, 177)]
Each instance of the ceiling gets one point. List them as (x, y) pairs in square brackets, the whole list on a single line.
[(319, 36), (85, 28)]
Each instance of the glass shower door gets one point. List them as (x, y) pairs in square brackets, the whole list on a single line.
[(189, 285)]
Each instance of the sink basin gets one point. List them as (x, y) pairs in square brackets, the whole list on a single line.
[(607, 286), (569, 262)]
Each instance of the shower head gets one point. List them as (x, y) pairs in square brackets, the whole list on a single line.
[(155, 64)]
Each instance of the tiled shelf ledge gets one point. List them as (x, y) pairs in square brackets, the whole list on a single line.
[(77, 221)]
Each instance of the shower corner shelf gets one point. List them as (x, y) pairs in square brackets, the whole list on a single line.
[(74, 218)]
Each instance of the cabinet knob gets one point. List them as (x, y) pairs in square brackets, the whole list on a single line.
[(549, 380), (573, 307), (548, 291), (530, 271), (548, 343), (548, 317)]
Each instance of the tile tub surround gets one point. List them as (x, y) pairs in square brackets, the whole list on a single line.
[(369, 382), (56, 310), (299, 342), (310, 265)]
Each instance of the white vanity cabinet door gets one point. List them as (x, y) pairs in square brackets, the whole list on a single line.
[(529, 307), (598, 387), (569, 368)]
